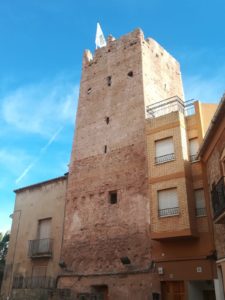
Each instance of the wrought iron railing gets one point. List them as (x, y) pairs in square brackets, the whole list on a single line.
[(193, 157), (20, 282), (90, 296), (42, 247), (172, 211), (200, 212), (169, 105), (164, 158), (218, 198), (59, 293), (189, 108)]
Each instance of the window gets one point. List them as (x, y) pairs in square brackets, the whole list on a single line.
[(130, 74), (222, 159), (193, 149), (107, 120), (223, 166), (125, 260), (109, 80), (168, 202), (44, 228), (89, 91), (43, 243), (113, 197), (164, 150), (199, 203), (38, 279)]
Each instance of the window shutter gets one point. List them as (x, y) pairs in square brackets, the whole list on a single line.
[(199, 199), (44, 229), (164, 147), (193, 146), (168, 199)]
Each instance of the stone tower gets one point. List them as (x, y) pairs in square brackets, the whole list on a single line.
[(106, 246)]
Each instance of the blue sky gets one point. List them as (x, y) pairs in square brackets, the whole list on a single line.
[(41, 47)]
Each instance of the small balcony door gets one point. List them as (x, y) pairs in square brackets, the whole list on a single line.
[(38, 276), (44, 233)]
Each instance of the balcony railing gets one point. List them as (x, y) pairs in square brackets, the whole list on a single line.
[(193, 157), (40, 248), (90, 296), (169, 212), (169, 105), (164, 158), (20, 282), (218, 198), (189, 108), (200, 212)]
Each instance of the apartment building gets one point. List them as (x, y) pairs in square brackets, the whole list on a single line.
[(212, 154), (181, 230)]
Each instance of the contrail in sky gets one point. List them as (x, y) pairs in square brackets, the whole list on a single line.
[(42, 151)]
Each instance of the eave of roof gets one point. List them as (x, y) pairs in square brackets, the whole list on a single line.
[(212, 126), (32, 186)]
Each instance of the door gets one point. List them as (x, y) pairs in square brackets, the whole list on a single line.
[(209, 295), (44, 232), (38, 276), (172, 290), (101, 292)]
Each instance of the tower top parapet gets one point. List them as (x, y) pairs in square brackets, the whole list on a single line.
[(126, 41)]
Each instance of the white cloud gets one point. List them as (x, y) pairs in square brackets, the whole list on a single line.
[(40, 108)]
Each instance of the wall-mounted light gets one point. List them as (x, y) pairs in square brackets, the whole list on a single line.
[(62, 264)]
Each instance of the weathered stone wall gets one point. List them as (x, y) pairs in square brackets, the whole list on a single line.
[(111, 113), (124, 287), (98, 233)]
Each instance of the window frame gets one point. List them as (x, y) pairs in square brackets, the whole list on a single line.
[(193, 156), (166, 157), (171, 211), (110, 193), (204, 212)]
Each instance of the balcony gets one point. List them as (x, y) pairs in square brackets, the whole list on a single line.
[(164, 158), (40, 248), (193, 157), (218, 201), (200, 212), (20, 282), (168, 212), (170, 105)]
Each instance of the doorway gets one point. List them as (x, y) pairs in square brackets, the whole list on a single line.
[(101, 291), (173, 290)]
